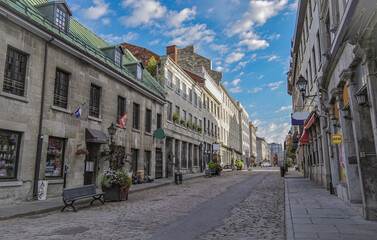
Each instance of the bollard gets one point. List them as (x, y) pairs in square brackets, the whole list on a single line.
[(178, 178), (282, 171)]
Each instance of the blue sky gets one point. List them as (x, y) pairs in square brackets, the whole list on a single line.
[(248, 40)]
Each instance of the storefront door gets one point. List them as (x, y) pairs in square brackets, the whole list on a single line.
[(91, 163)]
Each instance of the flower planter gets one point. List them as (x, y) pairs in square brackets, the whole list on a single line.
[(114, 193)]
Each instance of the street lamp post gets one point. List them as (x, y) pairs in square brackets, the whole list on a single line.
[(112, 129)]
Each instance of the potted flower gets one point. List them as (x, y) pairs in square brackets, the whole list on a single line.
[(82, 151), (239, 164), (182, 122), (176, 117), (200, 130), (115, 181), (188, 124), (194, 126)]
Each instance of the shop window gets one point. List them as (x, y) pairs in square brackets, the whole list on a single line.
[(9, 151), (55, 157), (14, 73), (61, 89)]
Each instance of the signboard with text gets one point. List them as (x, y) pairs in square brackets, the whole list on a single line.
[(336, 139)]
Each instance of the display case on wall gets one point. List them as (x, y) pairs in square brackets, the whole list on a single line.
[(8, 154), (55, 157)]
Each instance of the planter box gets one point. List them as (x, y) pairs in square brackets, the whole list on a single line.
[(114, 194)]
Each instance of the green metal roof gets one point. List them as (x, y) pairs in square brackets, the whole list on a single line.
[(82, 38)]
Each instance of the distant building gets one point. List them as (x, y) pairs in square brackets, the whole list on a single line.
[(263, 151), (275, 148)]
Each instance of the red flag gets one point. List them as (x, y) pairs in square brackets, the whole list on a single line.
[(122, 121)]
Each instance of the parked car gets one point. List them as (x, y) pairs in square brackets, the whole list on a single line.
[(228, 167), (266, 164)]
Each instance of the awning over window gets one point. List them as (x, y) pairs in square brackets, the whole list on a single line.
[(95, 136), (304, 139), (309, 123)]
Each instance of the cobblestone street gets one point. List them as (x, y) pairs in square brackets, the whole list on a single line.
[(260, 215)]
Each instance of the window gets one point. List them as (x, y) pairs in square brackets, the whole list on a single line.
[(9, 152), (14, 73), (148, 120), (61, 19), (55, 157), (310, 74), (183, 115), (121, 107), (184, 93), (196, 120), (170, 79), (94, 101), (135, 116), (212, 128), (190, 95), (118, 58), (310, 9), (195, 99), (159, 119), (209, 125), (190, 118), (200, 103), (134, 158), (319, 48), (177, 110), (200, 123), (177, 86), (207, 102), (147, 163), (169, 111), (204, 127), (139, 72), (61, 89)]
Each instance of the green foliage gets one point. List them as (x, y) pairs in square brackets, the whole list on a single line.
[(176, 117), (152, 67), (239, 164)]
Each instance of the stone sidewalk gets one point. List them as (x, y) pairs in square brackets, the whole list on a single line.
[(56, 203), (313, 213)]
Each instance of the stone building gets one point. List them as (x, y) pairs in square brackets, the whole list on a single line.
[(52, 65), (263, 151), (244, 134), (253, 141), (346, 99), (275, 147)]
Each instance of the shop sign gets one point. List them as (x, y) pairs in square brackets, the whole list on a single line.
[(336, 139)]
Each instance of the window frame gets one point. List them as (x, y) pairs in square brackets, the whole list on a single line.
[(57, 20), (92, 101), (136, 116), (148, 120), (17, 157), (13, 81), (58, 88), (120, 113), (64, 141)]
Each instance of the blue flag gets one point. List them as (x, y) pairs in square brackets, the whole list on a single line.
[(78, 111)]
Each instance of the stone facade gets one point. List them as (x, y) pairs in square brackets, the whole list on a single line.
[(253, 140), (21, 114), (346, 93), (244, 134), (263, 151)]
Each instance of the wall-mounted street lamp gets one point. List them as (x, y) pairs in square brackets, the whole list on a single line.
[(361, 95), (302, 82), (112, 129), (346, 112)]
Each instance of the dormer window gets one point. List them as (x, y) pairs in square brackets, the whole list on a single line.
[(118, 57), (139, 72), (61, 19)]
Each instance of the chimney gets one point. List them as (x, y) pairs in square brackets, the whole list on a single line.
[(172, 51)]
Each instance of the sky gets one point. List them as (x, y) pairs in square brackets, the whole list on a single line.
[(247, 40)]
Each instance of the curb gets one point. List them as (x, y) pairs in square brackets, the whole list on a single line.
[(82, 202), (289, 233)]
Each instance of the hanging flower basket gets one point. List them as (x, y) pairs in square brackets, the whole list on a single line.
[(82, 151)]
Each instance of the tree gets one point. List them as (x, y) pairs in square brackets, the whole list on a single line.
[(152, 67)]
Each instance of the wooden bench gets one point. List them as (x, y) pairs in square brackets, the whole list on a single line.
[(70, 195)]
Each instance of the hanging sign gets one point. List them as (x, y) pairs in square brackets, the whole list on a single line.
[(336, 139)]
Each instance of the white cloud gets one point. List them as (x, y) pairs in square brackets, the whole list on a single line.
[(258, 123), (254, 44), (275, 85), (274, 57), (234, 57), (210, 10), (226, 83), (273, 132), (243, 64), (111, 39), (175, 19), (219, 69), (254, 114), (283, 108), (250, 106), (184, 36), (222, 49), (155, 42), (143, 12), (241, 73), (236, 1), (99, 9), (235, 89), (106, 21), (255, 90), (260, 77), (274, 36), (236, 82), (293, 6)]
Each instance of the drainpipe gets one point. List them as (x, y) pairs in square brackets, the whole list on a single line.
[(40, 136)]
